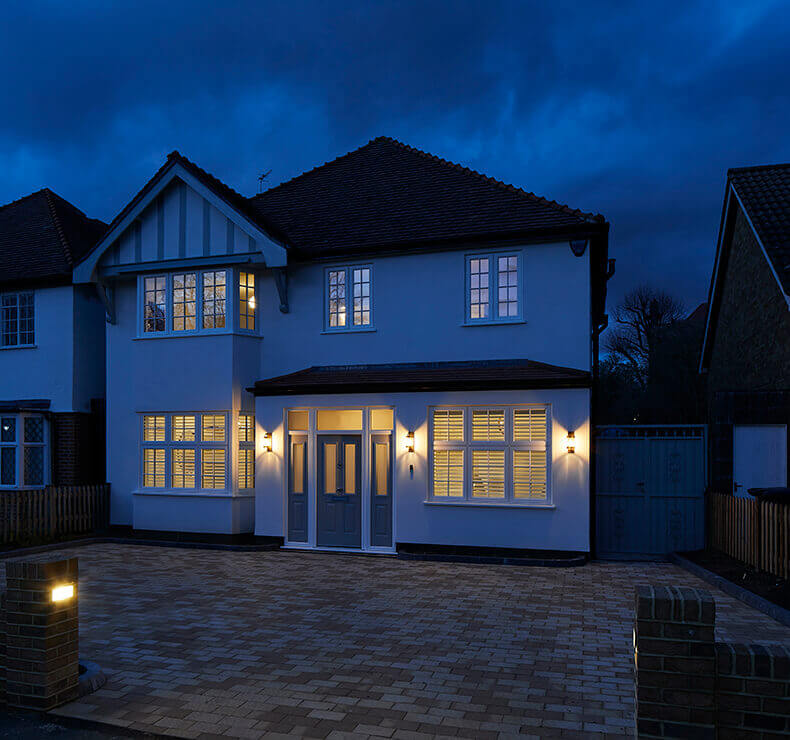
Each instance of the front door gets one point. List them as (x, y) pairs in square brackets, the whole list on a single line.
[(339, 479), (759, 457)]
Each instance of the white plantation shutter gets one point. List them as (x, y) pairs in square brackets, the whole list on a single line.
[(448, 473), (448, 425), (529, 474), (488, 473), (529, 425), (488, 425)]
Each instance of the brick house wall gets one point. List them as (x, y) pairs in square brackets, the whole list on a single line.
[(77, 448), (749, 365)]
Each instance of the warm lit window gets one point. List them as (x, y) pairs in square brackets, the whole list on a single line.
[(247, 301), (154, 303), (349, 297), (17, 320), (184, 451), (184, 301), (212, 468), (214, 299), (24, 460), (492, 288), (490, 454), (246, 468)]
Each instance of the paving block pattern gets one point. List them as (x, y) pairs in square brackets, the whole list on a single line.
[(206, 644)]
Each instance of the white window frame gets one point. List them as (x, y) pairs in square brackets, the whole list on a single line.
[(198, 444), (249, 445), (468, 445), (232, 324), (349, 325), (493, 288), (19, 445), (17, 295)]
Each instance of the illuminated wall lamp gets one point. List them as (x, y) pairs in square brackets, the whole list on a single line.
[(410, 441), (570, 443), (267, 442), (63, 592)]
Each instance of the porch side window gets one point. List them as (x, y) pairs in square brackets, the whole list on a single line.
[(349, 297), (184, 451), (17, 322), (24, 453), (492, 455)]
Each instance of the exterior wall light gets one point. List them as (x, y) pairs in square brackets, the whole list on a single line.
[(570, 443), (267, 442), (410, 441), (63, 593), (251, 302)]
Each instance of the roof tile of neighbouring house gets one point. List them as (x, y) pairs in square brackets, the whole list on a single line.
[(42, 237), (765, 193), (417, 376), (388, 194)]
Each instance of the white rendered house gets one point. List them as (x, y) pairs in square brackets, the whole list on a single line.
[(51, 347), (388, 350)]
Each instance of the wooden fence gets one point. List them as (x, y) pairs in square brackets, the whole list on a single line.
[(754, 532), (52, 512)]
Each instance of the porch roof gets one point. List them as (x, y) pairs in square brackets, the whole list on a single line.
[(423, 376)]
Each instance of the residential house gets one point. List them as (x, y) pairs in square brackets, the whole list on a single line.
[(51, 347), (389, 349), (746, 352)]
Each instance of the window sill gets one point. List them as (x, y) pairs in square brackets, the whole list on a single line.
[(494, 322), (365, 330), (20, 346), (193, 334), (247, 493), (491, 504)]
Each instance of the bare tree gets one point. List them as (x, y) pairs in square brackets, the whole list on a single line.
[(641, 318)]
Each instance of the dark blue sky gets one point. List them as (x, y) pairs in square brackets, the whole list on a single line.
[(632, 110)]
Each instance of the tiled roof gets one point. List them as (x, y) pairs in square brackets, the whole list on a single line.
[(423, 376), (389, 194), (42, 236), (765, 193)]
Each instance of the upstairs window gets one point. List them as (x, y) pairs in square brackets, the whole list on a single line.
[(17, 320), (154, 303), (493, 288), (247, 301), (184, 301), (214, 299), (349, 298)]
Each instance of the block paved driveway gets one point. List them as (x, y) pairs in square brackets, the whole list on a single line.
[(202, 643)]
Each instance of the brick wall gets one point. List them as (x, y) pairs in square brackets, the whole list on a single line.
[(77, 449), (689, 686)]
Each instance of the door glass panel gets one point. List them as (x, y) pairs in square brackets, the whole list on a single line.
[(339, 419), (351, 468), (330, 467), (298, 420), (298, 463), (381, 419), (382, 479)]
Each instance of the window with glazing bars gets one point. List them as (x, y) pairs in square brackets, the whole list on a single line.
[(185, 301), (247, 301), (493, 288), (17, 322), (154, 303), (337, 298), (214, 295), (361, 285)]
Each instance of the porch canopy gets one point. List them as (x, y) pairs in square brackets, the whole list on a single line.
[(423, 376)]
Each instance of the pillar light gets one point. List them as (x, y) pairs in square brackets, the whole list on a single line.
[(63, 592), (570, 443)]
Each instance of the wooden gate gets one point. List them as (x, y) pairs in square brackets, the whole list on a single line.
[(650, 486)]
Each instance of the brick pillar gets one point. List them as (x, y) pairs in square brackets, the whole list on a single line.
[(753, 691), (42, 635), (675, 663)]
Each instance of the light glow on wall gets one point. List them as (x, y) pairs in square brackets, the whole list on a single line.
[(63, 593)]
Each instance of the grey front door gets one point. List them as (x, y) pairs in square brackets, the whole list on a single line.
[(339, 478)]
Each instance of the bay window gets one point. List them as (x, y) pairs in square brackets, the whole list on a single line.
[(490, 454)]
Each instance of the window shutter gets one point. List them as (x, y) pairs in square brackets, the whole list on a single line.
[(488, 425), (448, 425), (529, 425)]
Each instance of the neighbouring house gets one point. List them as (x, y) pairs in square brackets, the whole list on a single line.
[(387, 350), (746, 352), (51, 347)]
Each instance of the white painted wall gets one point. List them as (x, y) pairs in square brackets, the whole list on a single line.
[(419, 308), (563, 527), (66, 365)]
